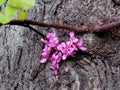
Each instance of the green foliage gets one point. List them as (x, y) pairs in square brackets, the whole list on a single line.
[(22, 15), (2, 2), (14, 6), (22, 4), (8, 15)]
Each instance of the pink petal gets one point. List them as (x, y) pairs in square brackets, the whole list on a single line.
[(71, 34), (44, 54), (43, 60), (80, 43), (63, 44), (74, 47), (55, 72), (51, 36), (51, 67), (59, 47), (83, 48), (64, 57), (54, 64), (66, 69), (53, 57), (59, 57), (44, 41), (58, 61), (68, 43), (75, 40), (57, 66)]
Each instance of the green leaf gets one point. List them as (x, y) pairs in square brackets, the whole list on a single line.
[(13, 6), (22, 15), (8, 15), (22, 4), (2, 2)]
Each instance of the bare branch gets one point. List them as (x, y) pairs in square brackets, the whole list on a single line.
[(84, 28)]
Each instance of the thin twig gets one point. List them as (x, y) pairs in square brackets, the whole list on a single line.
[(43, 36), (30, 27), (85, 28)]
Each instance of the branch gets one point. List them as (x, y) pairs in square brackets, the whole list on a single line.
[(84, 28)]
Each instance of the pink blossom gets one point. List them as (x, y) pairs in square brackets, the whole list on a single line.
[(67, 49), (56, 56), (73, 38), (51, 35), (80, 46), (54, 65), (45, 54), (43, 60), (52, 40), (55, 51), (44, 41), (55, 72), (66, 69), (61, 47)]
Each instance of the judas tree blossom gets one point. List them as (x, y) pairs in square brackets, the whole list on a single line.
[(55, 58), (55, 51), (52, 40), (45, 54), (73, 38), (80, 46), (67, 49), (77, 43)]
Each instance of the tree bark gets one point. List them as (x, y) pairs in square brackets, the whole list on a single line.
[(20, 49)]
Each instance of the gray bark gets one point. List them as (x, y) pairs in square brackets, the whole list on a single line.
[(20, 49)]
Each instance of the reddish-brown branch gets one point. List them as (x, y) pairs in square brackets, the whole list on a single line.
[(84, 28)]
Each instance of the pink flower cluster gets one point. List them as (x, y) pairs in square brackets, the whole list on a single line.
[(55, 51)]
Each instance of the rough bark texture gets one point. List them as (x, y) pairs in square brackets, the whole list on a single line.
[(20, 49)]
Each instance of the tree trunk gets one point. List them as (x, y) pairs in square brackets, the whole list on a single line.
[(20, 49)]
